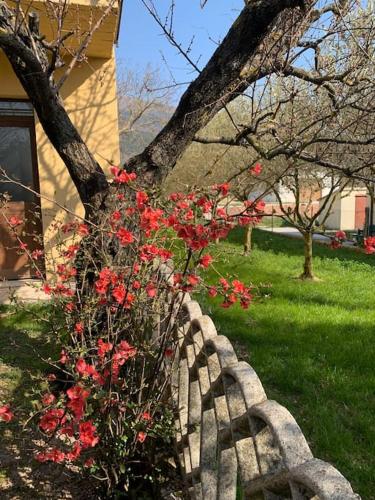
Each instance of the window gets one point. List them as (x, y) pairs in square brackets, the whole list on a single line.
[(17, 149), (19, 162)]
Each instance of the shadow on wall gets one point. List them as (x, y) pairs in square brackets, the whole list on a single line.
[(90, 98)]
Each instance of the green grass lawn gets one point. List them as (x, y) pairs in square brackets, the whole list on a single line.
[(312, 343), (24, 344)]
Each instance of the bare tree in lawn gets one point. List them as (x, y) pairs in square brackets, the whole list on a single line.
[(307, 214), (313, 127)]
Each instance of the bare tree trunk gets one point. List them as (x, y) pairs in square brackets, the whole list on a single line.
[(371, 209), (247, 240), (308, 251)]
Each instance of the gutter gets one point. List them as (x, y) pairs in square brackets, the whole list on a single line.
[(121, 4)]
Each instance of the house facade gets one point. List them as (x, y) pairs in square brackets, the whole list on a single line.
[(348, 211), (89, 95)]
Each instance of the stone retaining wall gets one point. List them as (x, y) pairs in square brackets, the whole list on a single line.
[(232, 441)]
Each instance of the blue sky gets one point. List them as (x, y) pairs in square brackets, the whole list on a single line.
[(141, 41)]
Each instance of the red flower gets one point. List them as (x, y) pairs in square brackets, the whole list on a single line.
[(75, 453), (221, 213), (168, 352), (212, 291), (150, 219), (101, 287), (63, 357), (47, 289), (103, 348), (256, 169), (238, 286), (175, 196), (53, 455), (79, 328), (136, 268), (5, 413), (77, 396), (116, 215), (146, 416), (67, 430), (81, 366), (205, 204), (151, 290), (87, 435), (335, 244), (370, 245), (193, 280), (122, 176), (14, 221), (223, 188), (37, 254), (107, 275), (141, 436), (48, 399), (124, 351), (125, 237), (141, 199), (340, 235), (70, 306), (83, 230), (89, 462), (51, 419), (130, 211), (148, 253), (205, 261), (129, 299), (136, 285), (224, 283), (119, 293), (245, 302), (71, 251)]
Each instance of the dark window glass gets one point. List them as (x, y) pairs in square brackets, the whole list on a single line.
[(16, 160)]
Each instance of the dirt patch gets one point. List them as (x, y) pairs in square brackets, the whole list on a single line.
[(22, 478)]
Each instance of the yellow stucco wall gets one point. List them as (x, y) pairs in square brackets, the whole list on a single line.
[(90, 98)]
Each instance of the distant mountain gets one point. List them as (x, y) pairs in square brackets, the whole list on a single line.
[(145, 129)]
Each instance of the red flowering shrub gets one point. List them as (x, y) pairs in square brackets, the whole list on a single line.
[(117, 287), (337, 240)]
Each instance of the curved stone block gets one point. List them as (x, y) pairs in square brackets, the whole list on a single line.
[(248, 381), (324, 480), (292, 443)]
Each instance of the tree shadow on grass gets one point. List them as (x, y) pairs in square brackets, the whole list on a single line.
[(278, 243), (22, 345), (320, 299), (324, 375)]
